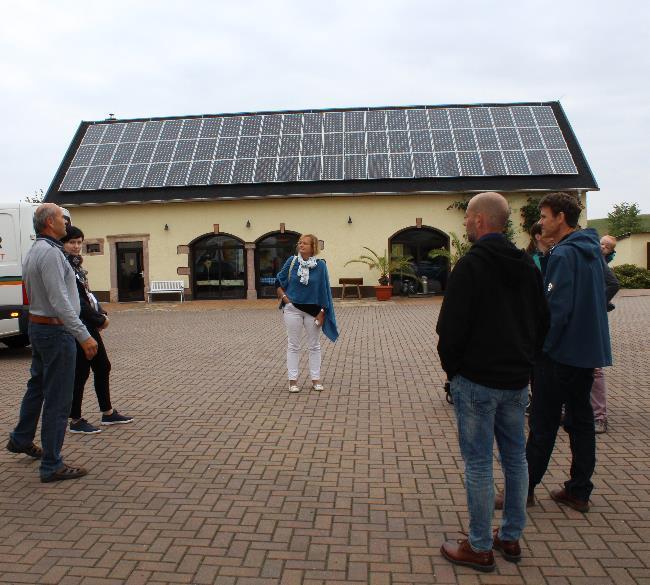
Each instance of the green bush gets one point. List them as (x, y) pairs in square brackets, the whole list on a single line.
[(631, 276)]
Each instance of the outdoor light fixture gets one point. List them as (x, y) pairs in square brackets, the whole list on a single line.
[(248, 223), (349, 219), (166, 227)]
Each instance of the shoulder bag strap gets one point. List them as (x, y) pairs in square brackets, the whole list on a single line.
[(291, 267)]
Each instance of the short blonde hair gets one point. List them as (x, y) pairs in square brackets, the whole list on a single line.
[(314, 243)]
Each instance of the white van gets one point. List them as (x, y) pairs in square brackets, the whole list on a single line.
[(16, 238)]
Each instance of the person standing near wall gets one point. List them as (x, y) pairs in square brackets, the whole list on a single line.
[(54, 325), (303, 287), (492, 324), (599, 387)]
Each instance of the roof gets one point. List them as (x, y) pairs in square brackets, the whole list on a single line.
[(504, 147)]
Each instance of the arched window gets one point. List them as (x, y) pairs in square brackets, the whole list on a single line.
[(271, 251), (418, 242), (218, 267)]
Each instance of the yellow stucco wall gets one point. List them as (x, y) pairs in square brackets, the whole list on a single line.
[(633, 250), (374, 219)]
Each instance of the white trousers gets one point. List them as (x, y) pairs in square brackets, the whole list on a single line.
[(298, 321)]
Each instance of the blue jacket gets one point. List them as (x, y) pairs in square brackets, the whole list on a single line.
[(316, 292), (574, 287)]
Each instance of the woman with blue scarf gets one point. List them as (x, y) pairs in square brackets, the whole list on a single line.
[(306, 302)]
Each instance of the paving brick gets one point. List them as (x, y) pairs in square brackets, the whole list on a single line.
[(224, 478)]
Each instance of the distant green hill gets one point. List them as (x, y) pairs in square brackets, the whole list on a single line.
[(600, 225)]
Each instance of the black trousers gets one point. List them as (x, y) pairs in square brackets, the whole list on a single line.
[(101, 367), (557, 384)]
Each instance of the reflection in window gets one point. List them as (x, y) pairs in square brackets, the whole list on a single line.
[(219, 268), (418, 242), (271, 253)]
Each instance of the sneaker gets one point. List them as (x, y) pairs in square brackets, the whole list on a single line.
[(83, 426), (116, 419), (294, 388), (601, 426)]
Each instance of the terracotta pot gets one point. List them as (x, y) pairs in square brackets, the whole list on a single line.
[(383, 293)]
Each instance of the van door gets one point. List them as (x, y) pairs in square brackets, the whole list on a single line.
[(11, 292)]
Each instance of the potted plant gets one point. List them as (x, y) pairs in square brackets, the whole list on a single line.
[(384, 265)]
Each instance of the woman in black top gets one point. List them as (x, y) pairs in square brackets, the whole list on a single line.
[(95, 319)]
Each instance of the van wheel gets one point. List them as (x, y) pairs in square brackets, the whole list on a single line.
[(16, 341)]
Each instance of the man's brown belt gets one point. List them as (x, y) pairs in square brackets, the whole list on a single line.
[(45, 320)]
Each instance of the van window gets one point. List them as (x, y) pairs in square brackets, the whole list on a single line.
[(8, 247)]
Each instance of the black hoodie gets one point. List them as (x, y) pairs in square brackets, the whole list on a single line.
[(494, 316)]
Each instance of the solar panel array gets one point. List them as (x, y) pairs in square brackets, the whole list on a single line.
[(320, 146)]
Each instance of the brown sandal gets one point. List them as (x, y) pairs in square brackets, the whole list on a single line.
[(32, 450), (66, 472)]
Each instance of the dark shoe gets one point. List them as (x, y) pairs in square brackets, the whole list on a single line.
[(32, 450), (116, 419), (499, 498), (83, 426), (600, 426), (510, 549), (461, 553), (562, 497), (65, 472)]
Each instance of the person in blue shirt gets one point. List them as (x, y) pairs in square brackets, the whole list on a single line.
[(576, 343), (305, 295)]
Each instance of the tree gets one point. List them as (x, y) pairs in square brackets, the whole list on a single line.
[(37, 197), (624, 219)]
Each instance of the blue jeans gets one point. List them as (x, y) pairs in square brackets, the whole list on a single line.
[(484, 414), (50, 388)]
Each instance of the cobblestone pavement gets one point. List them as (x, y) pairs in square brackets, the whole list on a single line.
[(227, 478)]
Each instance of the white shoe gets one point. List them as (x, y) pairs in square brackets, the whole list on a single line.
[(294, 388), (318, 387)]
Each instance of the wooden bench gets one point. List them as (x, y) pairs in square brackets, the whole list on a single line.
[(350, 282), (166, 286)]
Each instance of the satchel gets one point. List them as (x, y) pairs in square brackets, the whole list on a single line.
[(282, 303)]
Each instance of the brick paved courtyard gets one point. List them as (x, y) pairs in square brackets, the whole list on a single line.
[(226, 478)]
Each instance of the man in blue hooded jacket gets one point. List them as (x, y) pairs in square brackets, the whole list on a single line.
[(576, 343)]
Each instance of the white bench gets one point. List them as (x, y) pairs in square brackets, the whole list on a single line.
[(166, 286)]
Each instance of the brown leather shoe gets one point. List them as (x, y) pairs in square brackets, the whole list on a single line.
[(561, 496), (461, 553), (509, 549), (499, 499)]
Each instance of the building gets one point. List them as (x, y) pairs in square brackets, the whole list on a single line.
[(221, 199)]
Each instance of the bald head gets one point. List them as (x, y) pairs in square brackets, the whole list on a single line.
[(607, 245), (486, 213), (49, 220)]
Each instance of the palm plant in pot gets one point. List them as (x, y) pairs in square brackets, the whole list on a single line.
[(385, 266)]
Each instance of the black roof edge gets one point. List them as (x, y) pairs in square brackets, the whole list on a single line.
[(315, 111), (574, 147)]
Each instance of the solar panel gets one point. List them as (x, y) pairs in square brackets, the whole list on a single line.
[(320, 146)]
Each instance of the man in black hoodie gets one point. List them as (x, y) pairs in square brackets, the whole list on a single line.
[(491, 326)]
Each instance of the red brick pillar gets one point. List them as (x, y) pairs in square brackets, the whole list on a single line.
[(251, 291)]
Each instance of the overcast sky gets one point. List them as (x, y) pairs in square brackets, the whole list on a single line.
[(65, 61)]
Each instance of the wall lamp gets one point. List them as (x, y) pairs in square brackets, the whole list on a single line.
[(349, 219), (248, 223), (166, 227)]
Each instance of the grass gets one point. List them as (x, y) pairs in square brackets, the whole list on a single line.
[(600, 225)]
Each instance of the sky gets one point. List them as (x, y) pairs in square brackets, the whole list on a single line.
[(65, 61)]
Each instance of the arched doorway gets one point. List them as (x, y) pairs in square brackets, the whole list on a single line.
[(271, 251), (218, 267), (418, 242)]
